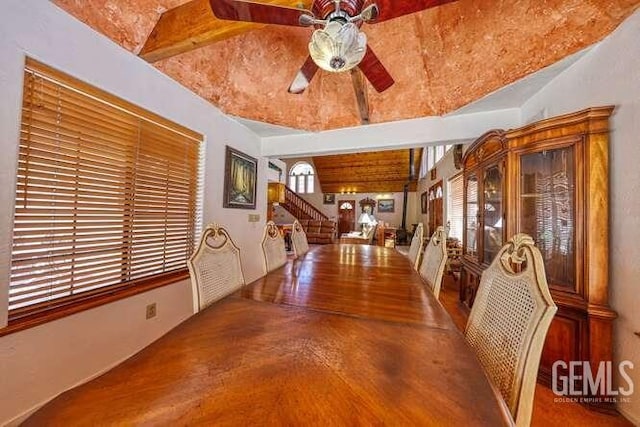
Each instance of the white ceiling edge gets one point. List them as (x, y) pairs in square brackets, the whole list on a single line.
[(391, 135), (266, 130), (514, 95)]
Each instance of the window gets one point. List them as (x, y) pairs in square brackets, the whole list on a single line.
[(431, 160), (455, 207), (436, 207), (435, 154), (301, 178), (107, 198), (471, 213)]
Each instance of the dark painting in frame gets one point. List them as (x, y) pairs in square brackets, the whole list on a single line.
[(386, 205), (424, 202), (329, 199), (240, 176), (433, 174)]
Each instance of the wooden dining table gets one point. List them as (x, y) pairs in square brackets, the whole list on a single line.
[(345, 335)]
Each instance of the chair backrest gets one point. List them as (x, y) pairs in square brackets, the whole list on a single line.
[(369, 233), (416, 246), (275, 254), (434, 260), (299, 240), (214, 267), (509, 321)]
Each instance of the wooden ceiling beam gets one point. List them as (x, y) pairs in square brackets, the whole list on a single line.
[(367, 158), (376, 175), (193, 25), (361, 174), (396, 182), (392, 163), (360, 90), (369, 155), (368, 187)]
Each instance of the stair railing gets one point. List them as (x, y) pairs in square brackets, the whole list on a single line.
[(300, 208)]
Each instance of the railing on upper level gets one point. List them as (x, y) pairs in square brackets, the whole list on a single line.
[(300, 208)]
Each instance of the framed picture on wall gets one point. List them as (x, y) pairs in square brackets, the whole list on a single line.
[(386, 205), (240, 178), (329, 199), (433, 174), (424, 201)]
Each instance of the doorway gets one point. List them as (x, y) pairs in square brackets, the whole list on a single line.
[(346, 216), (435, 207)]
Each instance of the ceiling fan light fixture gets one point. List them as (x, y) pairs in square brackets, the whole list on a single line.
[(338, 46)]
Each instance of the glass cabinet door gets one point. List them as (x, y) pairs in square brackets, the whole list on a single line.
[(547, 210), (471, 215), (492, 213)]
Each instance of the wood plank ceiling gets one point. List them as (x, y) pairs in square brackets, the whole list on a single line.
[(374, 172)]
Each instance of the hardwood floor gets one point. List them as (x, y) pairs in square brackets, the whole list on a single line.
[(546, 412)]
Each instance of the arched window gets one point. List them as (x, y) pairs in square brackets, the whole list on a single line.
[(301, 178)]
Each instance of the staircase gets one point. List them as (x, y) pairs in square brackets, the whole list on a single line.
[(300, 208)]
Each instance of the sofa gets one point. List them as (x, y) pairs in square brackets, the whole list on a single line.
[(319, 232)]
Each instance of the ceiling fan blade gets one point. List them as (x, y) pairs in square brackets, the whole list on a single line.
[(389, 9), (304, 76), (249, 11), (375, 72)]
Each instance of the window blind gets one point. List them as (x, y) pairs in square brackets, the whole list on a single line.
[(455, 209), (108, 194)]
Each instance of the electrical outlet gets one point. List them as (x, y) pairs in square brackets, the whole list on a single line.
[(254, 217), (151, 310)]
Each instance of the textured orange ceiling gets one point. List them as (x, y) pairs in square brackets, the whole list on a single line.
[(441, 59)]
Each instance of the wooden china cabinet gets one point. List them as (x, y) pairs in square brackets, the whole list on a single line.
[(550, 180)]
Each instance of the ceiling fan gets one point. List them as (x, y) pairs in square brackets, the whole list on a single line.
[(337, 44)]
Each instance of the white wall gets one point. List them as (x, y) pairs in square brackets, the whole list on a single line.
[(454, 129), (393, 218), (610, 74), (277, 176), (38, 363), (33, 367)]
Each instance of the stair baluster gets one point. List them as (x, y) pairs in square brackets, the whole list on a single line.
[(300, 208)]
